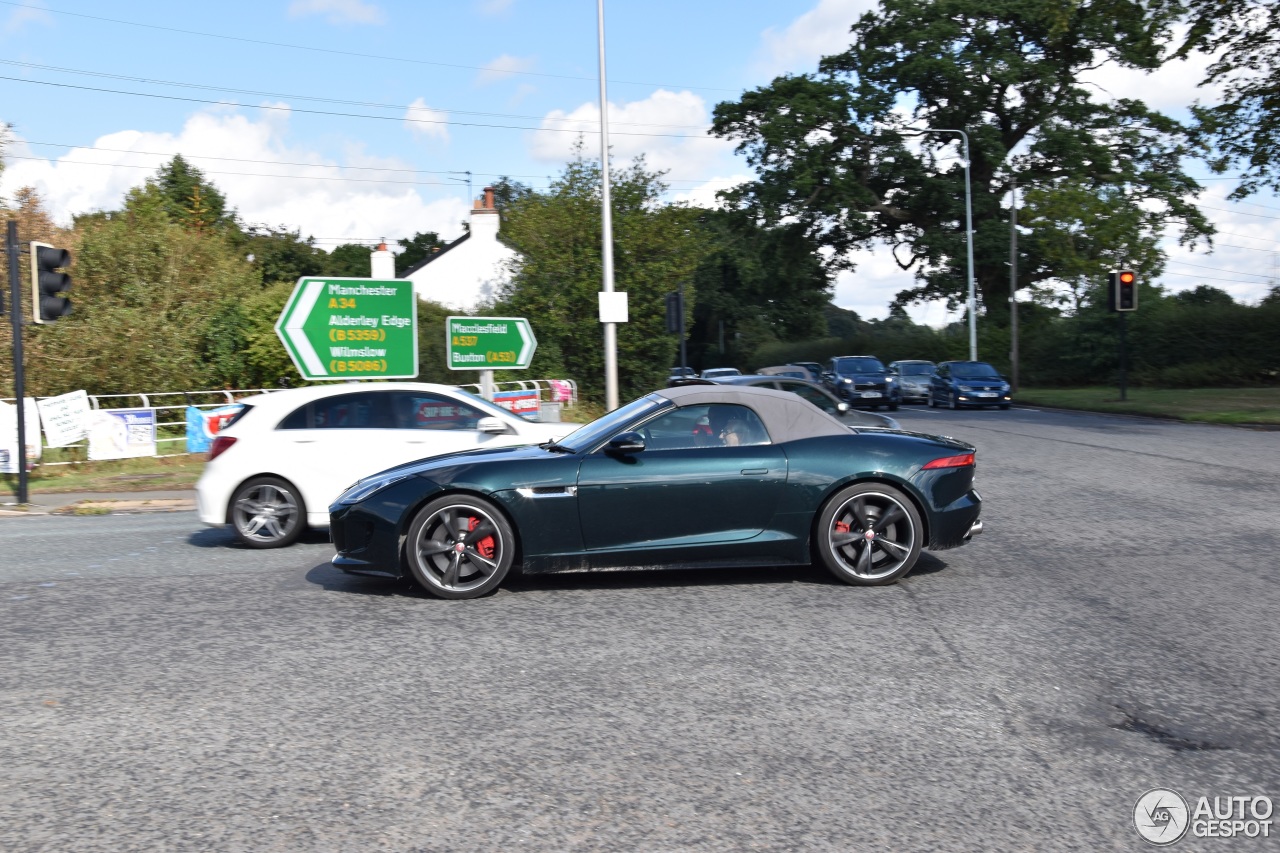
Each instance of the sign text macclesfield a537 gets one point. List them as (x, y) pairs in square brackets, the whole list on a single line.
[(351, 328)]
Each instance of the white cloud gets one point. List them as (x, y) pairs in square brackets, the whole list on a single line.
[(502, 68), (319, 200), (23, 15), (1246, 257), (425, 123), (339, 11), (822, 31), (1171, 88), (704, 195), (493, 7), (668, 128), (877, 279)]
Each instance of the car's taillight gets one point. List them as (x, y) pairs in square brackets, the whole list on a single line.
[(961, 461), (220, 443)]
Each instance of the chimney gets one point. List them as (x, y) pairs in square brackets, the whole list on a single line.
[(382, 264), (488, 198)]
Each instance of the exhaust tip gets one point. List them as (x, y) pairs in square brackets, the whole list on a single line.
[(974, 530)]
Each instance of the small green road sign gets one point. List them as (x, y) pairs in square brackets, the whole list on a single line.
[(351, 328), (489, 343)]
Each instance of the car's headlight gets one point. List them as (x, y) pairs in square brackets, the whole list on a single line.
[(889, 379), (847, 381), (965, 388), (364, 488)]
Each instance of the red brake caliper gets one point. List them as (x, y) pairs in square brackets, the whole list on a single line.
[(842, 527), (485, 545)]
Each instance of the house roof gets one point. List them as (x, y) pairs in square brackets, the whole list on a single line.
[(431, 257)]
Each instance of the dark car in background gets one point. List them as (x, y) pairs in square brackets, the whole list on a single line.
[(698, 475), (914, 377), (967, 384), (815, 369), (680, 373), (863, 380), (814, 393)]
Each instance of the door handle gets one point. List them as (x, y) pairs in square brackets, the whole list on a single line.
[(746, 472)]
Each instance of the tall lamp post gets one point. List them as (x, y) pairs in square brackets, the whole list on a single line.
[(610, 328), (968, 225)]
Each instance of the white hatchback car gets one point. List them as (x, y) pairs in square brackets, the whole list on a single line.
[(275, 468)]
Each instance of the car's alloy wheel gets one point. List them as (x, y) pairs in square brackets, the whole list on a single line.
[(459, 547), (268, 512), (952, 402), (869, 534), (932, 403)]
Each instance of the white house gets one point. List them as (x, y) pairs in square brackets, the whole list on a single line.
[(469, 270)]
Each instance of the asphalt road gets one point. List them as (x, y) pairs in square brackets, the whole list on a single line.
[(1113, 631)]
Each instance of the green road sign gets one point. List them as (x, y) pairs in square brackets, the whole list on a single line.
[(488, 343), (351, 328)]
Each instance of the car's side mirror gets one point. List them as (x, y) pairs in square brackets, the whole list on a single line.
[(492, 426), (625, 442)]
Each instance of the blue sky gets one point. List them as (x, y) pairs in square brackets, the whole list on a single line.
[(432, 90)]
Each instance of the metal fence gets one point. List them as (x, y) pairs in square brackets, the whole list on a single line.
[(171, 406)]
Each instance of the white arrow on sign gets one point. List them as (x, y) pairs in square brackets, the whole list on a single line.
[(293, 328), (526, 336)]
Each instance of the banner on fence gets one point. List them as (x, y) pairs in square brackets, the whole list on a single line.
[(204, 424), (523, 403), (122, 433), (561, 391), (66, 418), (9, 435)]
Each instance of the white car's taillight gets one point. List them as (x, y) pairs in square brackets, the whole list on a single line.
[(220, 444)]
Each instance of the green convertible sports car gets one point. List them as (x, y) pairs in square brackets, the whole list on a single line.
[(693, 476)]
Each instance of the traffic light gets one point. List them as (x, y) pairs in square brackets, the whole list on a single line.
[(675, 311), (48, 286), (1123, 291)]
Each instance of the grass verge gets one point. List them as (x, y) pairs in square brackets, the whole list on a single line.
[(1203, 405)]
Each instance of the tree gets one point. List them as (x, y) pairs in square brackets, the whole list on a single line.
[(1203, 295), (558, 274), (350, 260), (417, 248), (189, 199), (754, 285), (1242, 37), (837, 151), (155, 306), (280, 254)]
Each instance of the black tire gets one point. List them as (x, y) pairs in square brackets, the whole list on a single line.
[(267, 512), (862, 519), (439, 557), (893, 407), (1005, 406)]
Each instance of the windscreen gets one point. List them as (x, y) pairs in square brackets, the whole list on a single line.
[(915, 369), (859, 365), (585, 437), (974, 370)]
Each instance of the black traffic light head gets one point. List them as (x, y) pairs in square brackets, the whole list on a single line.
[(1122, 291), (48, 286), (675, 312)]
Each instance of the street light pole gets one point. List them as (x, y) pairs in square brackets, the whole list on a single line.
[(968, 225), (610, 329), (1013, 280)]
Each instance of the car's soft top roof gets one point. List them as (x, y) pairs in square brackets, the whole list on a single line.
[(786, 416)]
